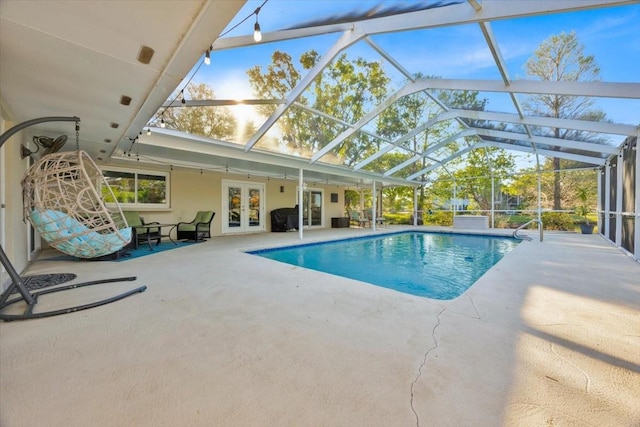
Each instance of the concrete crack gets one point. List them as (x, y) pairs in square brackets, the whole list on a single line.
[(424, 362), (474, 307)]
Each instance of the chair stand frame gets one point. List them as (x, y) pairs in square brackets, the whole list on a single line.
[(18, 284)]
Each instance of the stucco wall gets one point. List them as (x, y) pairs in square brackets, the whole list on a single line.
[(15, 230), (192, 191)]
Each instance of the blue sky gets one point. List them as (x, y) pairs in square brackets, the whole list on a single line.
[(612, 35)]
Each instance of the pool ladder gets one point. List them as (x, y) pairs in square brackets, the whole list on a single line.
[(525, 225)]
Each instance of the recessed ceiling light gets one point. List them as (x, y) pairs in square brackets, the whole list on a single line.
[(107, 140), (99, 158), (115, 125), (125, 100), (145, 54), (103, 151)]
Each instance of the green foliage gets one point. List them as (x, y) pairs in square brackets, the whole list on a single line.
[(346, 90), (583, 209), (394, 218), (210, 122), (444, 218), (351, 200), (525, 185), (474, 179), (561, 58), (557, 221)]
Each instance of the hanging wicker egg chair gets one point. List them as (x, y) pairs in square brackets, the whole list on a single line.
[(62, 200)]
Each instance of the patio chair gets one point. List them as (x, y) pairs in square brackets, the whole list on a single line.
[(140, 234), (198, 229), (357, 219)]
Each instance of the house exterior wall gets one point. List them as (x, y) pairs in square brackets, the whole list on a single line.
[(15, 232), (192, 191)]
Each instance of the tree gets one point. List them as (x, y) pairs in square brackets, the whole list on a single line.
[(400, 118), (280, 78), (474, 179), (211, 122), (561, 58), (345, 90)]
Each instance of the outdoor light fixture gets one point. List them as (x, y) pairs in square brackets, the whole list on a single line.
[(162, 123), (148, 131), (257, 35), (207, 57)]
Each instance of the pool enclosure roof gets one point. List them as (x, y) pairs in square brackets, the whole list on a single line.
[(89, 62)]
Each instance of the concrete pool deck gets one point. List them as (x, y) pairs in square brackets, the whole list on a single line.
[(548, 337)]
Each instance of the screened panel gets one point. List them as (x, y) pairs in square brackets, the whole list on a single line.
[(629, 194), (604, 226), (613, 193)]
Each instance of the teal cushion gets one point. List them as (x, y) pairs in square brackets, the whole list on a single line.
[(70, 236)]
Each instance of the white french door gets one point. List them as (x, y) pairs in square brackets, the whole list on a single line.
[(242, 207)]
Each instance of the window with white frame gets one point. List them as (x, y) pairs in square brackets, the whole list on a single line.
[(137, 189)]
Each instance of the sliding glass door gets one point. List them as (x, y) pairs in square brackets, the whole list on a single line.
[(312, 212)]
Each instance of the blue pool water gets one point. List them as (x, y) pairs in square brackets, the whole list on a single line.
[(434, 265)]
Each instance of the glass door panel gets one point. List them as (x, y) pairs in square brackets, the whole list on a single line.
[(235, 207), (254, 217), (312, 207), (315, 208), (244, 207)]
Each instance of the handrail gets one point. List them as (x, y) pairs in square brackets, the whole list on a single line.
[(515, 232)]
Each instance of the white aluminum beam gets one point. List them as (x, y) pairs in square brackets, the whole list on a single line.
[(221, 102), (431, 149), (398, 142), (512, 147), (441, 162), (557, 142), (170, 139), (595, 89), (585, 125), (406, 90), (339, 121), (423, 84), (431, 18), (475, 4), (347, 39), (487, 32), (547, 153)]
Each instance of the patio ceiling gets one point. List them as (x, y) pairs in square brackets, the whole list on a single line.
[(78, 58), (89, 63)]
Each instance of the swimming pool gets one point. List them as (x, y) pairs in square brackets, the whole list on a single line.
[(427, 264)]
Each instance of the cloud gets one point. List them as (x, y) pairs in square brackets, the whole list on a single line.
[(613, 26)]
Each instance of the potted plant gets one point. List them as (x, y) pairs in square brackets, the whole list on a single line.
[(586, 227)]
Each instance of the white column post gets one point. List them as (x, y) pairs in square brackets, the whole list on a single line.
[(619, 192), (636, 237), (607, 198), (599, 200), (539, 196), (493, 199), (300, 204), (454, 205), (415, 205), (373, 207)]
